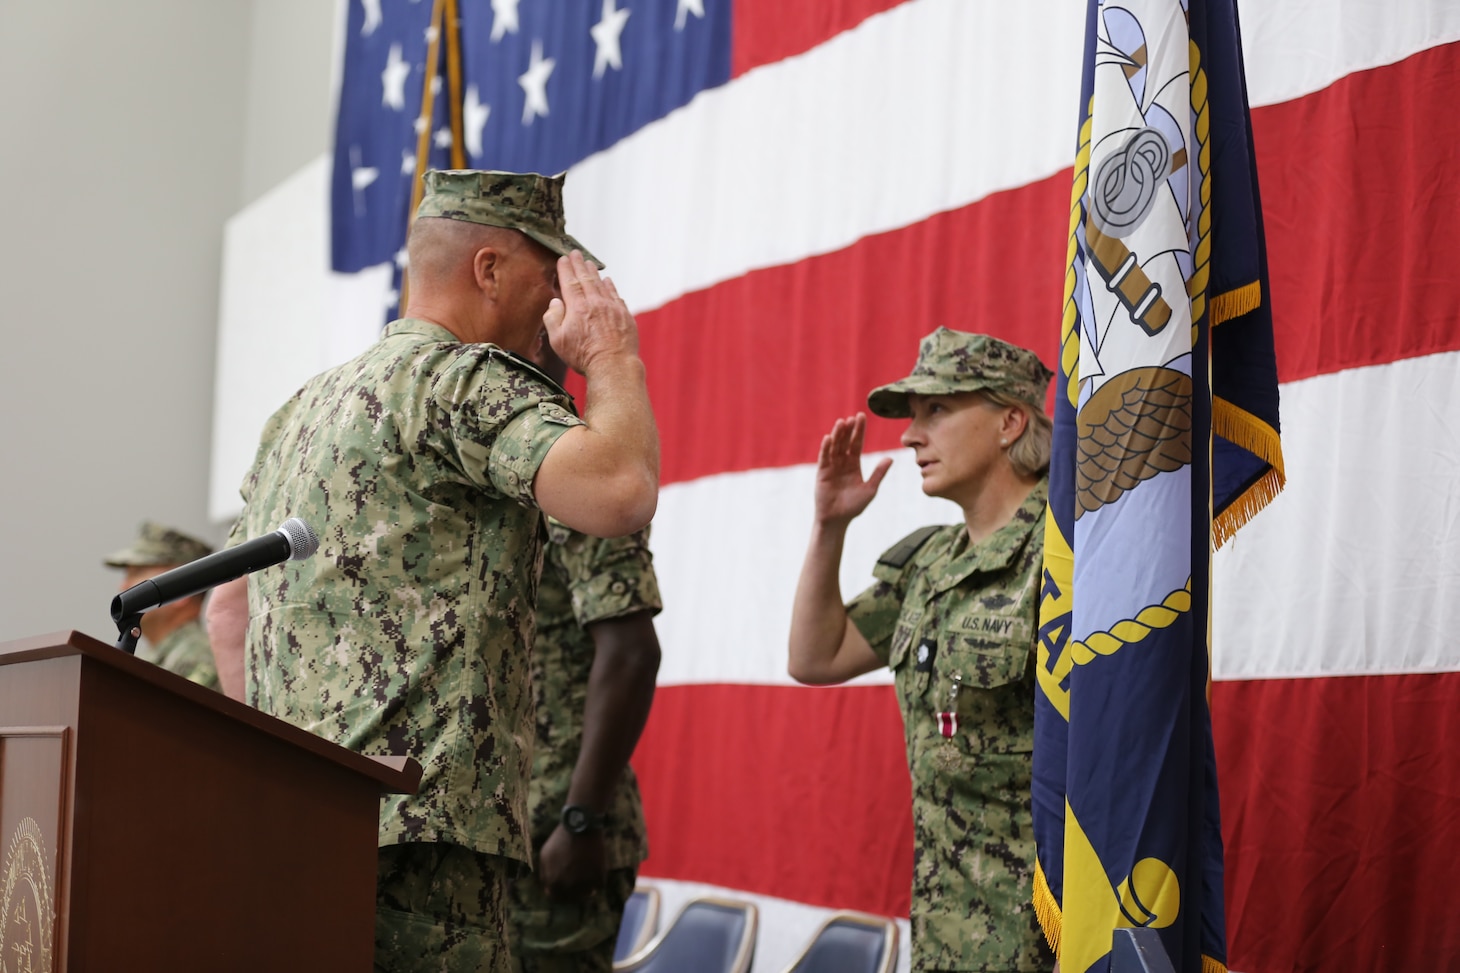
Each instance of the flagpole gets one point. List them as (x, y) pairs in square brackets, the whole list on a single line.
[(452, 29), (423, 139)]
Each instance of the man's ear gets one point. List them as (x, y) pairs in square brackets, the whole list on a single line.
[(485, 264)]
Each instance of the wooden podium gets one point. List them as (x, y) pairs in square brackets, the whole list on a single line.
[(147, 823)]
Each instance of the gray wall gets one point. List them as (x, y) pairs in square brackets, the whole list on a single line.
[(131, 133)]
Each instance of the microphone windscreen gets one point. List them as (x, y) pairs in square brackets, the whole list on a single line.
[(302, 542)]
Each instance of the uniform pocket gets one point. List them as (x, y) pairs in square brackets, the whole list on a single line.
[(985, 687)]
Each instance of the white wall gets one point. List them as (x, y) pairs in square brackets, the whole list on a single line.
[(131, 133)]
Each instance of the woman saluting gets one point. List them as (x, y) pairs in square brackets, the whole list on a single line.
[(953, 613)]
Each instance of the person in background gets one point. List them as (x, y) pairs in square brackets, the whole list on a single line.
[(172, 634), (595, 659), (953, 613)]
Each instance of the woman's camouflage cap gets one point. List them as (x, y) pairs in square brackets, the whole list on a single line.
[(156, 545), (528, 202), (955, 361)]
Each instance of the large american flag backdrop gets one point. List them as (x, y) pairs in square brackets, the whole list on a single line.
[(789, 195)]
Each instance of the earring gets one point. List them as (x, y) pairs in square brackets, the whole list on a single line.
[(1003, 442)]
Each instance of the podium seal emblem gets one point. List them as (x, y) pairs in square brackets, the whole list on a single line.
[(27, 914)]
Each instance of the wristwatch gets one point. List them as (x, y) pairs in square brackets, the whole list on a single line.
[(580, 820)]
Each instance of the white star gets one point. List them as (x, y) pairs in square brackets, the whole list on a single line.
[(392, 298), (504, 18), (393, 79), (436, 86), (443, 138), (432, 33), (605, 34), (474, 119), (361, 176), (372, 17), (419, 125), (402, 258), (534, 84), (696, 7), (407, 163)]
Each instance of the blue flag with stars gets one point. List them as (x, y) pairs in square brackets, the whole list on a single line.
[(395, 52), (543, 85), (548, 84)]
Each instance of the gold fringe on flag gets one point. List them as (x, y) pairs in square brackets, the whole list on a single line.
[(1234, 304), (1046, 909), (1209, 965), (1243, 429)]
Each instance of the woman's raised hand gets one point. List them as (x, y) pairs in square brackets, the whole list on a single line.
[(841, 492)]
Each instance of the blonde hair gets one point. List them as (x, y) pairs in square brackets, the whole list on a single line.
[(1029, 454)]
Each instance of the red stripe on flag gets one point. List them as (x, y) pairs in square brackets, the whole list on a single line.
[(1361, 200), (766, 31), (750, 373), (1341, 815), (780, 790)]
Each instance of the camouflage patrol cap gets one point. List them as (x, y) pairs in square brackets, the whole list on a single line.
[(527, 202), (157, 545), (955, 361)]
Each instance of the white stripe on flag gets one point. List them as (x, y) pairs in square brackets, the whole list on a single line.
[(1355, 568), (916, 111), (1343, 575)]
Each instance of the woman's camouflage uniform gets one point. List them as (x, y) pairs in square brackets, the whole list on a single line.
[(956, 624)]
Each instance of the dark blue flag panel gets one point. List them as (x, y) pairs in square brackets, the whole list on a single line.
[(1151, 463)]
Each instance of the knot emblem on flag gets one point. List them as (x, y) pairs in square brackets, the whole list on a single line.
[(1121, 196), (1125, 184)]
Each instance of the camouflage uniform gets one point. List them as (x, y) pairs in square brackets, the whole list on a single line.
[(410, 631), (956, 623), (584, 580), (185, 649)]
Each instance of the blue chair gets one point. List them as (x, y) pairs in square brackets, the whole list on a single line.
[(640, 922), (850, 942), (710, 935), (1138, 951)]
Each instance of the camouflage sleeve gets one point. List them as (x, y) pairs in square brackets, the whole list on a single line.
[(504, 418), (608, 578), (875, 611), (239, 531)]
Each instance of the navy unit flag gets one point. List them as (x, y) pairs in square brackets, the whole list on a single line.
[(1166, 442)]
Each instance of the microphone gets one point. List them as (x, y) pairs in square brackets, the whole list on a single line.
[(292, 541)]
